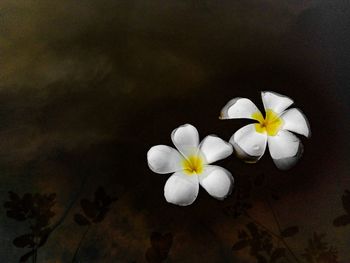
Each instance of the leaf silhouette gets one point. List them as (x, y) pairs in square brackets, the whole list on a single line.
[(24, 241), (44, 235), (36, 208), (81, 220), (26, 256), (100, 196), (290, 231), (240, 245), (101, 215), (27, 204), (13, 196), (16, 214), (95, 210), (320, 251), (342, 220), (89, 208), (260, 244), (102, 199)]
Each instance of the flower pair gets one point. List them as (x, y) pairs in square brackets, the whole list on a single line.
[(191, 162)]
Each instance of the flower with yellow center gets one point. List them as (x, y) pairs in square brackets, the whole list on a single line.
[(275, 129), (191, 166), (271, 124)]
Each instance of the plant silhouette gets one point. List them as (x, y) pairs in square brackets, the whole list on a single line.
[(260, 243), (344, 220), (265, 244), (244, 193), (260, 239), (269, 246), (93, 212), (319, 251), (35, 209), (160, 247)]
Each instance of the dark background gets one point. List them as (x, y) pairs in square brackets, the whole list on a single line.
[(87, 87)]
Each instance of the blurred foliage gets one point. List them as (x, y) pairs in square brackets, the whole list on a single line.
[(94, 212), (260, 244), (37, 210), (264, 245), (319, 251), (261, 241)]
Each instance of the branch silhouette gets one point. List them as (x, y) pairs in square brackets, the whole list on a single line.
[(93, 212)]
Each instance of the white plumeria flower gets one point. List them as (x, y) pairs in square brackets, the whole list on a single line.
[(275, 129), (190, 166)]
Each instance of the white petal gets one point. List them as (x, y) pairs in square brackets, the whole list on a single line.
[(181, 189), (295, 121), (217, 181), (214, 148), (186, 139), (239, 108), (285, 149), (276, 102), (287, 163), (163, 159), (248, 143)]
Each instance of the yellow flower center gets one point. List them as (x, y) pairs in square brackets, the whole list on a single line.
[(193, 165), (270, 124)]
